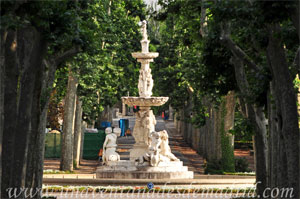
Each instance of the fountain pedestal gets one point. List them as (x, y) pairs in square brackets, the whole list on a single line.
[(129, 170), (145, 122)]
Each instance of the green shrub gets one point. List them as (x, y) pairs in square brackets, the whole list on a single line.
[(241, 165), (214, 167)]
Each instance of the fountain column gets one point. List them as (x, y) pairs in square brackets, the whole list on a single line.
[(145, 120)]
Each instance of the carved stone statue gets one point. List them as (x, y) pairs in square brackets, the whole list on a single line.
[(165, 149), (149, 123), (155, 140), (109, 147), (145, 122), (144, 42), (138, 127), (159, 149), (152, 155), (144, 30), (145, 84)]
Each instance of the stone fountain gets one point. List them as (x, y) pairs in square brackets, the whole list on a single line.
[(150, 157)]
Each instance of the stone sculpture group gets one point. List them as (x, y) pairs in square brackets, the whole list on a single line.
[(159, 149)]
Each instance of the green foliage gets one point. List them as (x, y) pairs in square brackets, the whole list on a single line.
[(227, 161), (241, 165), (107, 33), (297, 83), (227, 150), (214, 167), (243, 130), (199, 118), (187, 60), (240, 173), (111, 72), (50, 171), (60, 82)]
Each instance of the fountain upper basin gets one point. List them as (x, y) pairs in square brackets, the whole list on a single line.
[(145, 101), (141, 55)]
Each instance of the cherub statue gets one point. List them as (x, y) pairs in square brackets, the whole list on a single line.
[(159, 149), (152, 154), (165, 149), (149, 123), (145, 84), (155, 140), (109, 147)]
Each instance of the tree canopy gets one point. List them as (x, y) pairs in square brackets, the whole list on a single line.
[(251, 47)]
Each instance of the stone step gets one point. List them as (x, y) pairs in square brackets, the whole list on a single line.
[(131, 163), (163, 169), (142, 169), (129, 166), (144, 175)]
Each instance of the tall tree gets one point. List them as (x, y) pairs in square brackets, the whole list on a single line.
[(2, 79), (77, 132), (257, 42), (66, 163), (28, 29)]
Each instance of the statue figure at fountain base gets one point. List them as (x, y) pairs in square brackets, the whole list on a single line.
[(165, 148), (109, 146), (159, 150)]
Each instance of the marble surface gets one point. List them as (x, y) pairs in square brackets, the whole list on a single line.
[(145, 101)]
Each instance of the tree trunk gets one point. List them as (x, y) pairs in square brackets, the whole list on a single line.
[(77, 133), (68, 124), (285, 94), (227, 139), (2, 80), (230, 102), (277, 151), (256, 116), (47, 85), (35, 160), (43, 88), (10, 108), (35, 107), (30, 47), (24, 107), (83, 127)]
